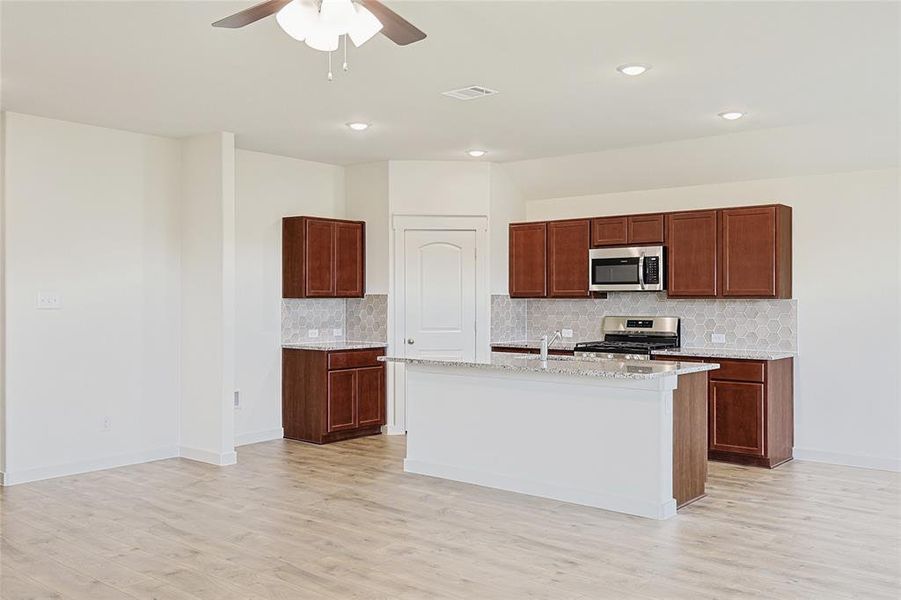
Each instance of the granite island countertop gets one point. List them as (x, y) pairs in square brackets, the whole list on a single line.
[(535, 344), (733, 353), (568, 365), (335, 345), (726, 353)]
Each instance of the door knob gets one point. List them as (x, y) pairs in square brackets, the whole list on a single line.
[(411, 341)]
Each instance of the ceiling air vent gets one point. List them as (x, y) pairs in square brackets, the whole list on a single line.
[(470, 93)]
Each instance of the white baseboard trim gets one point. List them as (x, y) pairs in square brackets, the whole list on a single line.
[(255, 437), (878, 463), (395, 430), (608, 501), (222, 459), (87, 466)]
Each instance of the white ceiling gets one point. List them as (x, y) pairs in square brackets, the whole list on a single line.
[(159, 67)]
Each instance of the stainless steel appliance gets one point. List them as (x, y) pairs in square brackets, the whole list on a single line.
[(632, 338), (634, 269)]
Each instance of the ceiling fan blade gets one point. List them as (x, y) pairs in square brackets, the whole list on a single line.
[(395, 27), (252, 14)]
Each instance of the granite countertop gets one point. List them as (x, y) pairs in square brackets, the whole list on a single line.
[(567, 365), (695, 352), (725, 353), (535, 344), (335, 345)]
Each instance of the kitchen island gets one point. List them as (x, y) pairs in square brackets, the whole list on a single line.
[(626, 436)]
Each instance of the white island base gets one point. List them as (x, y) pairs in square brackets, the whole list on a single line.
[(604, 442)]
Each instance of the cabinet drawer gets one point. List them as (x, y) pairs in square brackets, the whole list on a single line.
[(354, 359), (738, 370)]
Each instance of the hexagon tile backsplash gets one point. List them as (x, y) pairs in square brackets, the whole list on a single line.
[(360, 319), (747, 324)]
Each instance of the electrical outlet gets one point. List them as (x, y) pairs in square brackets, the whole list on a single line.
[(237, 398), (718, 338), (567, 333), (49, 301), (337, 332), (107, 424), (312, 333)]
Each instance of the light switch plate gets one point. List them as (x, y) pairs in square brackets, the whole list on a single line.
[(313, 333), (567, 333), (337, 332), (49, 301), (718, 338)]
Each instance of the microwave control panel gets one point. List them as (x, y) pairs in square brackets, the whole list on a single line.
[(652, 270)]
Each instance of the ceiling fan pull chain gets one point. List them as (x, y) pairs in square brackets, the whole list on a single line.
[(330, 76), (345, 53)]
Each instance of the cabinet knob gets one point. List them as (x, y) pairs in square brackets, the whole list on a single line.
[(411, 341)]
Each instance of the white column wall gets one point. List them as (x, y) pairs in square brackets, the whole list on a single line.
[(206, 415)]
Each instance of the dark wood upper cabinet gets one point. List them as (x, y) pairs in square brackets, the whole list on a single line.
[(322, 258), (691, 239), (319, 259), (646, 229), (609, 231), (619, 231), (755, 252), (568, 243), (528, 260), (349, 260)]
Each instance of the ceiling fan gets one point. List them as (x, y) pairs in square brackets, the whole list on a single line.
[(321, 23)]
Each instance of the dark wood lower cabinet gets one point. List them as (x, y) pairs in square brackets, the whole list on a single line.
[(331, 396), (736, 417), (750, 410)]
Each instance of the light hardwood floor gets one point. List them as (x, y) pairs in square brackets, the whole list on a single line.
[(294, 521)]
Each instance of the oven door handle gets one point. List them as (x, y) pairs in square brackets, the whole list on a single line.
[(641, 271)]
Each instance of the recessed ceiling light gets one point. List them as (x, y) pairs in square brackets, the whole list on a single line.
[(358, 126), (732, 115), (476, 153), (632, 70)]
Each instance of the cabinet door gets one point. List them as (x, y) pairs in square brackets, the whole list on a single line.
[(349, 269), (319, 258), (568, 244), (342, 407), (748, 259), (371, 396), (609, 231), (528, 260), (646, 229), (736, 417), (691, 239)]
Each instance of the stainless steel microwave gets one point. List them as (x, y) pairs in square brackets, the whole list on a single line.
[(635, 269)]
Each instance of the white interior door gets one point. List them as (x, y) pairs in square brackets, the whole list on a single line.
[(440, 288)]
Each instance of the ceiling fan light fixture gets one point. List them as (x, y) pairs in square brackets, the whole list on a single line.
[(337, 15), (298, 18), (322, 39), (364, 26)]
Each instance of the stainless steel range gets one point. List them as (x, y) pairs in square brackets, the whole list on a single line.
[(632, 338)]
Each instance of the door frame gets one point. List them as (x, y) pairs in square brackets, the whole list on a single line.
[(400, 224)]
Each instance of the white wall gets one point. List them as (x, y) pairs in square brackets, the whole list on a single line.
[(507, 206), (847, 392), (367, 200), (206, 416), (91, 214), (270, 187), (422, 187)]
